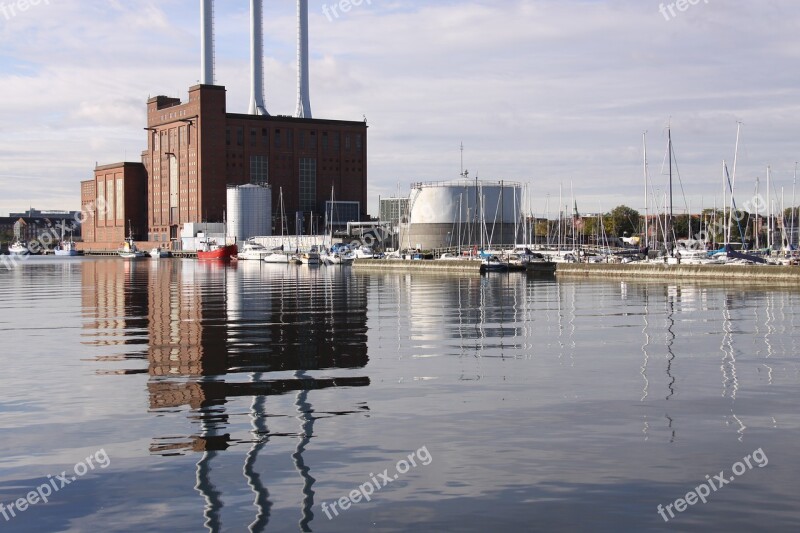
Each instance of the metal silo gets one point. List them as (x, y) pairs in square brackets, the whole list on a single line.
[(249, 212), (462, 213)]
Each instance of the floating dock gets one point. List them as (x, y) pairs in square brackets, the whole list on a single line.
[(385, 265), (654, 271)]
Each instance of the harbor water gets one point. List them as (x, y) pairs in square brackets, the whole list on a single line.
[(177, 395)]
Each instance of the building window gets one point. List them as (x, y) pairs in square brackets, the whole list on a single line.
[(227, 136), (240, 136), (308, 184), (347, 142), (259, 170), (264, 137), (101, 204), (120, 199), (110, 198), (252, 137), (336, 141), (290, 140), (277, 138), (302, 140), (325, 141), (358, 142)]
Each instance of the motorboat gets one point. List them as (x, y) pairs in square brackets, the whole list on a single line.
[(130, 251), (67, 249), (493, 264), (536, 263), (309, 258), (212, 250), (160, 253), (252, 251), (18, 248)]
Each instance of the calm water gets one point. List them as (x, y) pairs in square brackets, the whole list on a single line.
[(245, 397)]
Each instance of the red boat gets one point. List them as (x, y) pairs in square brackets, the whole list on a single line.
[(219, 252)]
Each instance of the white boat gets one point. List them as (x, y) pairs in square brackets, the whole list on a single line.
[(338, 258), (67, 249), (18, 248), (253, 251), (277, 258), (364, 252), (129, 249), (159, 253)]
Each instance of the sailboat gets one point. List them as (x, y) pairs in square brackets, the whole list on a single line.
[(278, 255), (338, 254)]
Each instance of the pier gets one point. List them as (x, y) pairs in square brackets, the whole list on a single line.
[(718, 273), (385, 265)]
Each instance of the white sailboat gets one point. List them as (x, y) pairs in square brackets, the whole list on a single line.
[(278, 255)]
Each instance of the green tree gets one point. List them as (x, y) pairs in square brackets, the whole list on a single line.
[(621, 220)]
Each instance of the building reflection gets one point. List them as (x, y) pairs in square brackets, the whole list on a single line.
[(214, 334)]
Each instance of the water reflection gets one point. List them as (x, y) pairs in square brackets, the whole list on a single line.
[(202, 326), (239, 368)]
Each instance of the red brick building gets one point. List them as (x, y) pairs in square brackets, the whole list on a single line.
[(195, 149), (114, 203)]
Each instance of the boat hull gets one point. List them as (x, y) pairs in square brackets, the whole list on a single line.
[(223, 253), (67, 253), (547, 268), (132, 255)]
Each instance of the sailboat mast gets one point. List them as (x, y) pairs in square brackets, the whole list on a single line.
[(669, 225), (769, 209), (794, 211), (755, 229), (644, 169), (733, 184)]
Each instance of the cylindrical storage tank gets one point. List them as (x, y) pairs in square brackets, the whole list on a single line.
[(249, 212), (463, 213)]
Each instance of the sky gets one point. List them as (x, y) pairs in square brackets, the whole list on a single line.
[(554, 94)]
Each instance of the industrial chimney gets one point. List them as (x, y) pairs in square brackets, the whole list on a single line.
[(303, 98), (257, 106), (207, 42)]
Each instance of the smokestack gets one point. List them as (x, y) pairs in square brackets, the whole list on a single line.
[(257, 106), (303, 98), (207, 42)]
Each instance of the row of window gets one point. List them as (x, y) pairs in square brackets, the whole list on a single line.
[(284, 139)]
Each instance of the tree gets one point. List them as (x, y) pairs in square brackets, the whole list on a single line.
[(621, 220)]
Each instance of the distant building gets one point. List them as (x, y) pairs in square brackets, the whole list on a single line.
[(36, 213), (394, 211), (47, 230)]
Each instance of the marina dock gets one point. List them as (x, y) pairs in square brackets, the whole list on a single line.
[(718, 273)]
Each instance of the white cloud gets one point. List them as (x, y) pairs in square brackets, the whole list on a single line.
[(546, 90)]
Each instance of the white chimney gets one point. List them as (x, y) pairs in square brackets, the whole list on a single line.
[(207, 42), (257, 106), (303, 98)]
